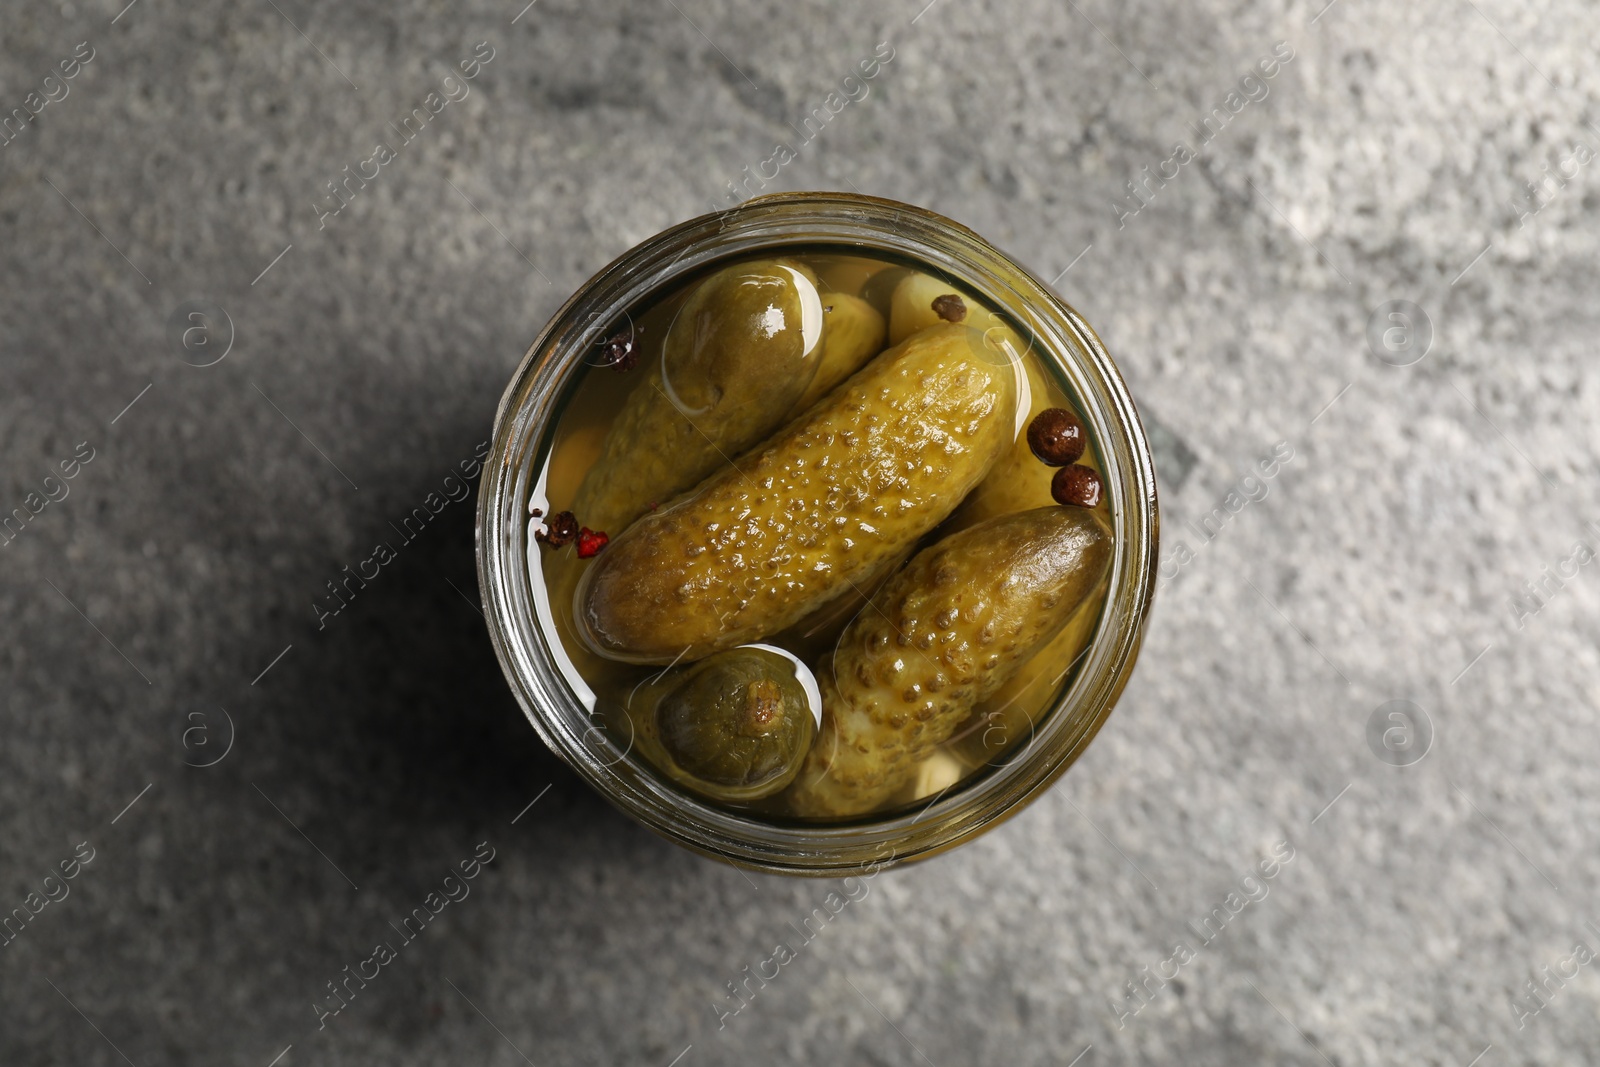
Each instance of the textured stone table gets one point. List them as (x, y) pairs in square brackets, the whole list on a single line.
[(162, 603)]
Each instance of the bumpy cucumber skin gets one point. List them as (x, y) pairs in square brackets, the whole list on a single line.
[(733, 386), (942, 635), (840, 491), (1006, 717)]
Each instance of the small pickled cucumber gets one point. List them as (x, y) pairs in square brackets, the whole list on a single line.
[(737, 725), (855, 334), (943, 634), (742, 350), (841, 490), (847, 274), (878, 290), (921, 300)]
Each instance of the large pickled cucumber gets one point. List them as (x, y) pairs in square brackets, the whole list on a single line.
[(743, 349), (943, 634), (838, 492), (855, 334)]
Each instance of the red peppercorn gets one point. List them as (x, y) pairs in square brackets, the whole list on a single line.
[(1057, 437), (620, 352), (1076, 486), (559, 531), (590, 542)]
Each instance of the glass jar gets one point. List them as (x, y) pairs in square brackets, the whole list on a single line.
[(519, 621)]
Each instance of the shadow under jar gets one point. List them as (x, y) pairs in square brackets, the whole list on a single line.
[(831, 537)]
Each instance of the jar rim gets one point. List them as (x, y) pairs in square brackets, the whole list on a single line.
[(531, 405)]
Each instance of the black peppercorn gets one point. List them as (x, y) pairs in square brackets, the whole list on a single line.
[(560, 530)]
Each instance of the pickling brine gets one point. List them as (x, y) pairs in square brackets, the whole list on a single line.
[(820, 533)]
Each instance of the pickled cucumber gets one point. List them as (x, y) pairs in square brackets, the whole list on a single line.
[(943, 634), (921, 300), (1007, 717), (1018, 482), (856, 480), (743, 349), (737, 725), (878, 290), (855, 334), (848, 274)]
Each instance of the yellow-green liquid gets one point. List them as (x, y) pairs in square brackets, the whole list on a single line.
[(999, 727)]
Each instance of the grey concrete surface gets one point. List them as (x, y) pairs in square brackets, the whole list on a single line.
[(1388, 159)]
